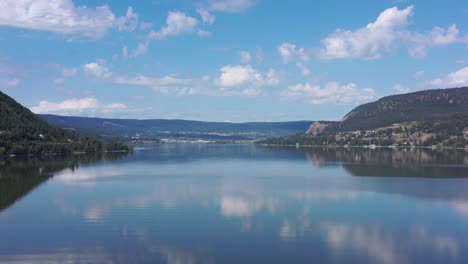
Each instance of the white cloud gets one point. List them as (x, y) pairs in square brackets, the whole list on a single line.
[(116, 106), (370, 41), (97, 69), (330, 93), (177, 23), (206, 17), (237, 80), (229, 6), (128, 22), (87, 105), (62, 16), (140, 49), (291, 53), (237, 75), (386, 34), (167, 84), (69, 105), (454, 79), (438, 37), (205, 85), (245, 56)]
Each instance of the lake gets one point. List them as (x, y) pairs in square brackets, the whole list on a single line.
[(208, 203)]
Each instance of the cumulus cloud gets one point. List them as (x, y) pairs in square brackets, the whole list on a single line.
[(370, 41), (386, 34), (330, 93), (235, 80), (229, 6), (291, 53), (63, 16), (74, 106), (454, 79), (438, 37), (67, 105), (97, 69), (177, 23), (237, 75)]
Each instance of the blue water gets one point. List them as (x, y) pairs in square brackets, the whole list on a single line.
[(193, 203)]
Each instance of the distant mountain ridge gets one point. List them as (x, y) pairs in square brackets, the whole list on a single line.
[(176, 129)]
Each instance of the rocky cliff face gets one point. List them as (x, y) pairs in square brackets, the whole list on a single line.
[(318, 127)]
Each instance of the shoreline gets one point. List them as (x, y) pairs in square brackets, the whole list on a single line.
[(363, 147), (61, 154)]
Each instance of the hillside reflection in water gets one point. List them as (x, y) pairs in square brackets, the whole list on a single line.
[(244, 204)]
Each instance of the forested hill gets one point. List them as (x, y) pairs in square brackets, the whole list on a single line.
[(431, 118), (419, 106), (18, 123), (22, 132)]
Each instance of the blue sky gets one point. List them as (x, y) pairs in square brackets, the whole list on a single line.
[(226, 60)]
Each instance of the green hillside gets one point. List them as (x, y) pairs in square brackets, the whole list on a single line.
[(432, 118), (429, 105), (18, 123), (22, 132)]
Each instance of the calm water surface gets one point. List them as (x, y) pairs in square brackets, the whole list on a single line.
[(236, 204)]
